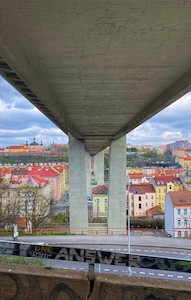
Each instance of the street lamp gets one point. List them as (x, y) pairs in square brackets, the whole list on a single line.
[(129, 227)]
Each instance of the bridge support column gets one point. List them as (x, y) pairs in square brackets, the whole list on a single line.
[(78, 169), (117, 187), (99, 168)]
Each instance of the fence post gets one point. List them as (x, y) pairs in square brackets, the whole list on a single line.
[(91, 271)]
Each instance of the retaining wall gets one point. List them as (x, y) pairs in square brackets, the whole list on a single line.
[(24, 282)]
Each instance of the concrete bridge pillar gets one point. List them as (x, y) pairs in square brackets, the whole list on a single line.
[(79, 177), (117, 187), (99, 168)]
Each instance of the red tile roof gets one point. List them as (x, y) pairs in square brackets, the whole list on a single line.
[(44, 171), (100, 190), (156, 210), (181, 198), (171, 172), (164, 179), (141, 188), (39, 179)]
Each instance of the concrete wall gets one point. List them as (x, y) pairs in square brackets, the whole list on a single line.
[(116, 287), (24, 282)]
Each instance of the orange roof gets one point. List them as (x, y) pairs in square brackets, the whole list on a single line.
[(17, 147), (39, 179), (156, 210), (181, 198), (186, 158), (136, 175), (171, 171)]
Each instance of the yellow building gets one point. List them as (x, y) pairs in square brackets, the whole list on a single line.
[(185, 162), (100, 200), (164, 184), (133, 170), (18, 149)]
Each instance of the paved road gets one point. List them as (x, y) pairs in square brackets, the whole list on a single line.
[(156, 246), (138, 272), (146, 241)]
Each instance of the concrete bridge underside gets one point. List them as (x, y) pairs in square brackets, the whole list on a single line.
[(98, 68)]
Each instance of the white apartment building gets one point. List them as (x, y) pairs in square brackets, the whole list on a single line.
[(178, 214)]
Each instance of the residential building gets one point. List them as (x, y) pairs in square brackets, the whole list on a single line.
[(178, 214), (142, 197), (52, 175), (186, 179), (136, 178), (155, 213), (18, 149), (179, 151), (100, 200), (63, 169), (162, 185), (185, 162)]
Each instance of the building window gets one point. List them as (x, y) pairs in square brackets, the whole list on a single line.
[(139, 198), (132, 197), (178, 211), (170, 187), (179, 233), (185, 211), (159, 190), (185, 222), (152, 204), (139, 205), (152, 197), (146, 204), (179, 222)]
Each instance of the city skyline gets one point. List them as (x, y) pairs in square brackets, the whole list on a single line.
[(21, 121)]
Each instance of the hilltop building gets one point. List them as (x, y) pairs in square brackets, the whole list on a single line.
[(35, 147)]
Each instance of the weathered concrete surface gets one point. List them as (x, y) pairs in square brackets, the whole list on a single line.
[(117, 187), (23, 282), (97, 68), (116, 287), (29, 283), (78, 182)]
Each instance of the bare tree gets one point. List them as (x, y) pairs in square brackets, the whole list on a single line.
[(9, 204), (34, 205)]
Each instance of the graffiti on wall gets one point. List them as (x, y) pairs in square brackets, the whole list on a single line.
[(95, 256)]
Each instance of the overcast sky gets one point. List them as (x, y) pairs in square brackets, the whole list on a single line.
[(21, 121)]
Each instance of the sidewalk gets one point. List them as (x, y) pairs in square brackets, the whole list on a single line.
[(107, 240)]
